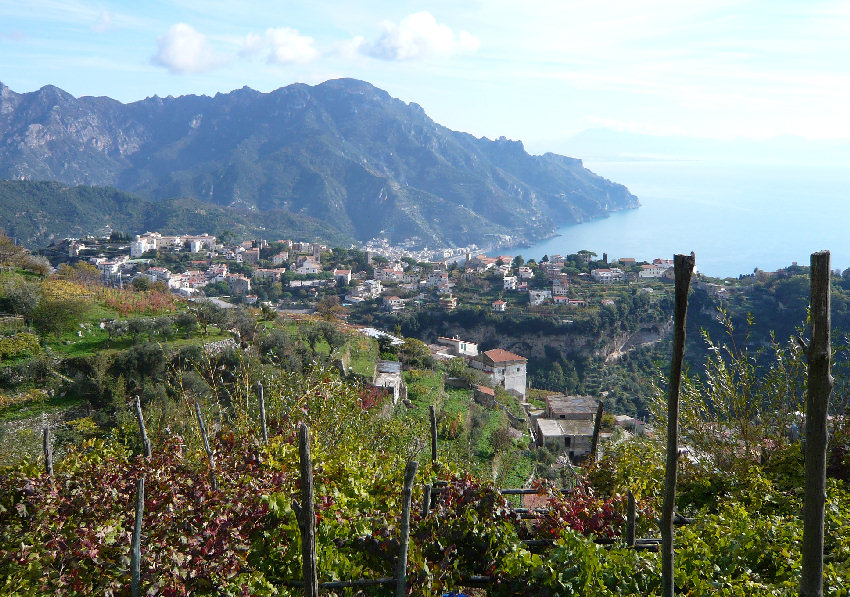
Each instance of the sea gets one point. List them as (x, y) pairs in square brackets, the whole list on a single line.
[(735, 217)]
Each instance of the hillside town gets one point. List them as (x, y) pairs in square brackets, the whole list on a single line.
[(393, 275), (300, 276)]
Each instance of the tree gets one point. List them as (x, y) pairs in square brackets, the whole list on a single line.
[(82, 272), (208, 314), (57, 316), (518, 261), (501, 440), (243, 323), (186, 322), (415, 354), (329, 307), (20, 296)]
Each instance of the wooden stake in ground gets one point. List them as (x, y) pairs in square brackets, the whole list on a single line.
[(630, 521), (263, 414), (817, 403), (683, 268), (426, 500), (432, 414), (136, 548), (306, 516), (406, 497), (597, 425), (146, 443), (48, 452), (210, 455)]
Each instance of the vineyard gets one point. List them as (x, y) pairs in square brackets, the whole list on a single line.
[(70, 533)]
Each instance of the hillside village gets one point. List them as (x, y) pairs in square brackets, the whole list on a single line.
[(376, 355), (301, 277), (252, 270)]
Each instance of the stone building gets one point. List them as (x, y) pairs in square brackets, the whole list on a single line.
[(504, 369)]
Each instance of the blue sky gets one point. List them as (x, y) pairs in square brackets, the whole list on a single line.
[(539, 71)]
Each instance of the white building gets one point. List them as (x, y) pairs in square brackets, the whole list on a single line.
[(343, 275), (504, 369), (538, 297), (458, 347), (308, 267), (509, 282), (608, 275)]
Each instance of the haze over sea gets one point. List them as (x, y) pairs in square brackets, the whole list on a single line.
[(735, 217)]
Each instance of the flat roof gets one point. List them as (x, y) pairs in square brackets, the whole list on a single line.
[(389, 367), (564, 427), (572, 404)]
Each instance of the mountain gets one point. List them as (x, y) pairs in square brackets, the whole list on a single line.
[(343, 152), (38, 212)]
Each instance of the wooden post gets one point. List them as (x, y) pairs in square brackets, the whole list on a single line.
[(426, 500), (210, 455), (630, 521), (146, 443), (48, 452), (817, 403), (597, 425), (263, 414), (136, 549), (683, 268), (432, 413), (306, 515), (406, 497)]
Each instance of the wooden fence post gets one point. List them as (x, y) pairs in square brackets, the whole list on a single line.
[(432, 414), (630, 521), (597, 425), (406, 497), (145, 441), (263, 413), (210, 455), (136, 548), (306, 515), (817, 403), (683, 269), (426, 500), (48, 452)]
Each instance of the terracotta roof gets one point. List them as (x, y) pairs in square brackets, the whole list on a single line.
[(485, 390), (497, 355)]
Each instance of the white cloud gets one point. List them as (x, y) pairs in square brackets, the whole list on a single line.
[(418, 36), (282, 45), (103, 23), (183, 50)]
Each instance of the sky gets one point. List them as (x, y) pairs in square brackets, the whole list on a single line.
[(539, 71)]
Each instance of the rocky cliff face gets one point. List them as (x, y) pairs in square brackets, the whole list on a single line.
[(343, 151), (539, 346)]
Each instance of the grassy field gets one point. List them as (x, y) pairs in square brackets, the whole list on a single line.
[(466, 430)]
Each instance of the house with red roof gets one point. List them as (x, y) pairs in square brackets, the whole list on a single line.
[(504, 368)]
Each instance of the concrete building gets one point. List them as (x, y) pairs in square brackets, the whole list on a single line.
[(575, 408), (573, 437), (458, 347), (388, 375), (504, 369), (538, 297), (238, 284)]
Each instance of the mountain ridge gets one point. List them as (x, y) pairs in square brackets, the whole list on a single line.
[(344, 152)]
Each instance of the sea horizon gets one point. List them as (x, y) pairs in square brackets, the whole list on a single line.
[(735, 217)]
